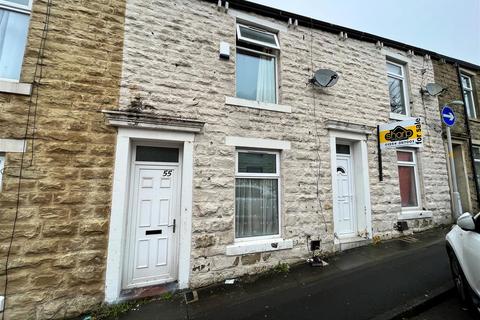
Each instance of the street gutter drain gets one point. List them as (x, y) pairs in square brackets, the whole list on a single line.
[(191, 296)]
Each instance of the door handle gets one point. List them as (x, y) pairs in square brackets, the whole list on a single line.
[(174, 225)]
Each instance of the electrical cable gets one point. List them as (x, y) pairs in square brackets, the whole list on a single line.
[(317, 139), (22, 159)]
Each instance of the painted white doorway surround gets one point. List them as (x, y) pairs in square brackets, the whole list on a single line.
[(344, 200), (152, 232), (352, 220), (118, 231)]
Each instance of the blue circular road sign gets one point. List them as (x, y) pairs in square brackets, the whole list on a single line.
[(448, 116)]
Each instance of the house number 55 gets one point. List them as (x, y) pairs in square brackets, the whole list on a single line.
[(167, 173)]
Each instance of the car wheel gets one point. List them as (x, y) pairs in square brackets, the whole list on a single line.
[(458, 278), (463, 288)]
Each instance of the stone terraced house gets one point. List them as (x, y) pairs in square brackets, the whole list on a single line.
[(175, 144), (463, 83)]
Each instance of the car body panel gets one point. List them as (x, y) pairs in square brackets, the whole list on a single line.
[(466, 246)]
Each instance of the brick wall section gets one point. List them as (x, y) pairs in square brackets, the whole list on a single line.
[(59, 250), (446, 75), (171, 63)]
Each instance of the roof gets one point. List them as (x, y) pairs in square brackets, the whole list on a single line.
[(329, 27)]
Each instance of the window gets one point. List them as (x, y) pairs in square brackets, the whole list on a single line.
[(2, 166), (476, 159), (14, 21), (256, 64), (468, 94), (256, 194), (397, 88), (408, 178)]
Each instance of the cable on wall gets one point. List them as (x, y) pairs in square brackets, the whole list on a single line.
[(32, 104), (317, 138)]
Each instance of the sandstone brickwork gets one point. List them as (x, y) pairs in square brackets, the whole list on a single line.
[(171, 63), (57, 261), (446, 74)]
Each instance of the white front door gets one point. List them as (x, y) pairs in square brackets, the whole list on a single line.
[(153, 225), (345, 209)]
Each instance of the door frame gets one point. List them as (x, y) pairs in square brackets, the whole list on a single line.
[(359, 155), (126, 138), (130, 230), (464, 175)]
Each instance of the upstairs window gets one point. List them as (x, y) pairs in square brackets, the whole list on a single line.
[(256, 64), (397, 88), (468, 94), (14, 22)]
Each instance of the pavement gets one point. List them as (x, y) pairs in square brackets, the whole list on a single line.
[(381, 281)]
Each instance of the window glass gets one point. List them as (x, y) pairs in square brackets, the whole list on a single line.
[(466, 82), (256, 207), (13, 37), (17, 2), (476, 156), (405, 156), (2, 166), (343, 149), (392, 68), (156, 154), (408, 188), (257, 35), (256, 76), (397, 96), (257, 162)]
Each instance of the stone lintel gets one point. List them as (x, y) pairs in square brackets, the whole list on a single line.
[(150, 121), (349, 127)]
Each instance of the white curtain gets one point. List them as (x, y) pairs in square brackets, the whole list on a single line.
[(256, 204), (266, 80), (13, 37)]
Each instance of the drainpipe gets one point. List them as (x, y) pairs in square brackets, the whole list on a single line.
[(467, 126)]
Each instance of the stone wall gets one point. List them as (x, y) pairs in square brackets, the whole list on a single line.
[(171, 63), (57, 261), (446, 75)]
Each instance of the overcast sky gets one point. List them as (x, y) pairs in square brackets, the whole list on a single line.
[(449, 27)]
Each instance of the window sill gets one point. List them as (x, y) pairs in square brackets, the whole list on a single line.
[(255, 246), (477, 120), (415, 214), (15, 87), (400, 117), (239, 102)]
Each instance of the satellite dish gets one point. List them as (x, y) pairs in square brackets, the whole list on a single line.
[(434, 89), (324, 78)]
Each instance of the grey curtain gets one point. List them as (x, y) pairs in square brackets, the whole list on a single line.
[(256, 207)]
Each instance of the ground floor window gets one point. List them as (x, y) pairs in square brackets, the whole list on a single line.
[(476, 159), (408, 178), (257, 194)]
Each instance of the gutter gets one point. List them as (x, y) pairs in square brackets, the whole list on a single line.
[(333, 28), (467, 126)]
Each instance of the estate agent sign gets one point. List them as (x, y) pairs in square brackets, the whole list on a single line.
[(406, 133)]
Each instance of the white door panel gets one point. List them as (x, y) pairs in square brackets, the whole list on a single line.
[(345, 221), (153, 238)]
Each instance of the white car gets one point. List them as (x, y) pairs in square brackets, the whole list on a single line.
[(463, 247)]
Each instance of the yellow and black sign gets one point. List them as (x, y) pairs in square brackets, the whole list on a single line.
[(406, 133)]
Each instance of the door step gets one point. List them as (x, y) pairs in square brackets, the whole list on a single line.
[(151, 291), (350, 243)]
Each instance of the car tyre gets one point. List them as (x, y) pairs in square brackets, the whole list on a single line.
[(461, 285)]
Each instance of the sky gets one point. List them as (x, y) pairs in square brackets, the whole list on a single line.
[(448, 27)]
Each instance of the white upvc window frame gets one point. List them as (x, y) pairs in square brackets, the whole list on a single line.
[(403, 77), (253, 41), (468, 90), (2, 167), (476, 160), (9, 6), (414, 164), (252, 175)]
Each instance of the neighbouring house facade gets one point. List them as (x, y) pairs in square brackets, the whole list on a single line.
[(181, 143), (462, 84)]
